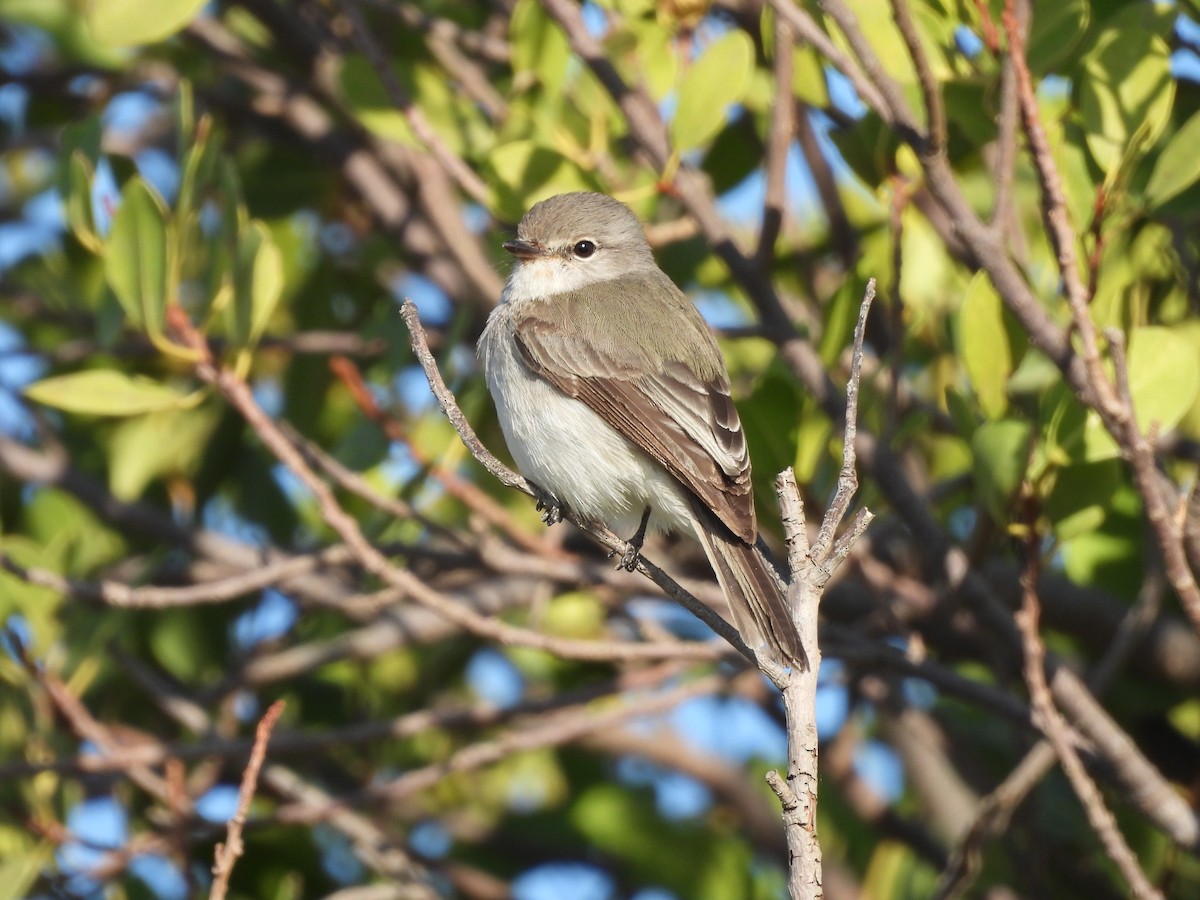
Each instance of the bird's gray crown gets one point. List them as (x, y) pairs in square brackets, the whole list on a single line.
[(560, 222)]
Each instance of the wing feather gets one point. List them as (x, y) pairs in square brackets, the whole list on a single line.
[(684, 420)]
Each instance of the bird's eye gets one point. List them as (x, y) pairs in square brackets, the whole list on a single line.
[(584, 249)]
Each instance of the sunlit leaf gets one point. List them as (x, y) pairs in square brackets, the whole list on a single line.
[(1128, 90), (136, 256), (526, 171), (170, 442), (1055, 31), (258, 283), (1001, 451), (123, 23), (105, 392), (983, 345), (1178, 166), (714, 82), (539, 46), (1164, 376), (369, 100)]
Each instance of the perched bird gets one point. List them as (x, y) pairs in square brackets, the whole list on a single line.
[(614, 400)]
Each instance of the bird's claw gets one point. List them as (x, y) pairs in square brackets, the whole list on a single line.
[(633, 551), (629, 559), (551, 510)]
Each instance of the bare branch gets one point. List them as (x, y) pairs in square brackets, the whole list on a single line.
[(471, 184), (810, 570), (227, 853), (1057, 732), (935, 111), (779, 142), (847, 483)]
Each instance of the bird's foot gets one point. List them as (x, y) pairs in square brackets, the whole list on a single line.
[(629, 559), (550, 508)]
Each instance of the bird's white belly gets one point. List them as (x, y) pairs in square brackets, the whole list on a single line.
[(568, 450)]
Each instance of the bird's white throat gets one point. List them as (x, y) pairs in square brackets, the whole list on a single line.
[(533, 279)]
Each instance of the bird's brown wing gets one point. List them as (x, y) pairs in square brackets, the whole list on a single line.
[(684, 421)]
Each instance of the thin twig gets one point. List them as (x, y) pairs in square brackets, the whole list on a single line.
[(997, 808), (241, 396), (810, 32), (227, 853), (779, 142), (1139, 449), (222, 590), (1057, 732), (471, 184), (847, 483), (1058, 223), (1004, 165), (935, 110)]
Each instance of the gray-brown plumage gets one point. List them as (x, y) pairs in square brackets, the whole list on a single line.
[(609, 330)]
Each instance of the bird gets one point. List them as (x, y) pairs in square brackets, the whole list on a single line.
[(614, 400)]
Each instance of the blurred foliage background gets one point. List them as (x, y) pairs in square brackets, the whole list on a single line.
[(280, 173)]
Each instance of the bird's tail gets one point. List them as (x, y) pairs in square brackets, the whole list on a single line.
[(754, 590)]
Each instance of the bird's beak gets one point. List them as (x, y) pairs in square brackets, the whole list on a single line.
[(523, 249)]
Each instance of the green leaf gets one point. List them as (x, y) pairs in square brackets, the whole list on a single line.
[(72, 538), (1178, 166), (524, 172), (79, 137), (370, 103), (1111, 555), (1001, 452), (808, 77), (178, 645), (170, 442), (1164, 376), (258, 283), (21, 871), (717, 79), (184, 113), (539, 46), (1126, 92), (1164, 381), (105, 392), (983, 345), (1055, 32), (576, 614), (123, 23), (79, 202), (652, 55), (136, 261), (962, 412), (1080, 498), (201, 163)]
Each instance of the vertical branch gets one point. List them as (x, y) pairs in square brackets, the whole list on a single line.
[(1054, 207), (1058, 732), (935, 110), (1112, 401), (811, 566), (227, 853), (779, 140), (1004, 165), (895, 350)]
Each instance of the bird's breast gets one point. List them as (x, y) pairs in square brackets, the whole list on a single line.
[(569, 450)]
